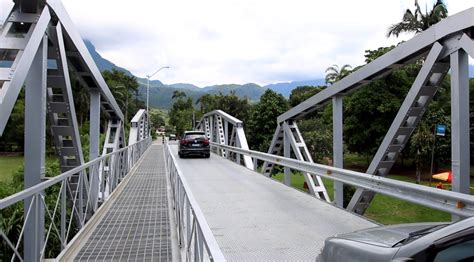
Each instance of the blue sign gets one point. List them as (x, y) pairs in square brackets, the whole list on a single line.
[(440, 130)]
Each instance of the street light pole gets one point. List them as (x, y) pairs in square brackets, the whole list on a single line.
[(148, 87)]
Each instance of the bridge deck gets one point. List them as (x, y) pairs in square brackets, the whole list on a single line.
[(254, 218), (137, 226)]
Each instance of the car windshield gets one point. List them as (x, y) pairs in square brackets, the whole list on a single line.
[(194, 136)]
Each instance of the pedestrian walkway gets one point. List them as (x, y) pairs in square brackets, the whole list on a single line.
[(137, 225)]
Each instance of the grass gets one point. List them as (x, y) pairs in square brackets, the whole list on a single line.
[(8, 166), (385, 209)]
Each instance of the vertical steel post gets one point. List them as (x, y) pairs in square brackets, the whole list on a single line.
[(287, 154), (226, 133), (460, 122), (35, 131), (94, 137), (63, 212), (94, 131), (337, 126)]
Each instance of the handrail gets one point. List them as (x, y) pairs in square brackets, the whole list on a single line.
[(193, 230), (5, 202), (447, 201), (83, 203)]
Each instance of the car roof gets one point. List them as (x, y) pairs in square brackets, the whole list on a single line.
[(194, 132)]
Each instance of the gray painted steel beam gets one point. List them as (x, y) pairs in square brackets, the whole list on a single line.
[(287, 154), (19, 74), (35, 142), (94, 140), (460, 122), (408, 51), (76, 40), (94, 129), (338, 149), (403, 124)]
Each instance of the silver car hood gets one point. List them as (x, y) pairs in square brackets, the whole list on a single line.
[(386, 236)]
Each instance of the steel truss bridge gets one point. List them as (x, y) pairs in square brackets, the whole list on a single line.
[(141, 202)]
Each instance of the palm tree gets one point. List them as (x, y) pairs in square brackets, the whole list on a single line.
[(417, 22), (334, 74)]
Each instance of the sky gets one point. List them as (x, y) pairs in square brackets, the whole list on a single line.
[(211, 42)]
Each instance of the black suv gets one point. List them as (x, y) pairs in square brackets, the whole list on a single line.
[(194, 143)]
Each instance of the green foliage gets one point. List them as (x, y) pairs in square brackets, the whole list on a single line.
[(181, 114), (334, 74), (417, 21), (157, 118), (369, 112), (263, 119), (12, 217), (317, 134), (301, 93), (124, 88), (12, 139), (371, 55), (421, 142), (230, 103)]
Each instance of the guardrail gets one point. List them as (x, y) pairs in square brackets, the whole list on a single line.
[(194, 234), (452, 202), (66, 220)]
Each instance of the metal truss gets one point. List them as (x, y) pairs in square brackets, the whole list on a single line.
[(114, 140), (451, 202), (41, 51), (442, 47), (139, 127), (286, 139), (225, 129)]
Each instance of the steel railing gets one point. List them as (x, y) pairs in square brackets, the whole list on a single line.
[(451, 202), (71, 211), (194, 235)]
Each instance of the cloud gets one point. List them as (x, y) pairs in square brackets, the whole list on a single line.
[(210, 42)]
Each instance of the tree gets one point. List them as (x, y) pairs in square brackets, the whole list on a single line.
[(207, 103), (123, 88), (157, 118), (12, 139), (181, 113), (417, 21), (421, 142), (231, 104), (334, 74), (317, 134), (178, 94), (369, 112), (301, 93), (263, 119)]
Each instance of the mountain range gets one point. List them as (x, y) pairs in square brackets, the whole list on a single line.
[(160, 94)]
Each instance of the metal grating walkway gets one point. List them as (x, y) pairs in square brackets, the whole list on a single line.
[(137, 226)]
